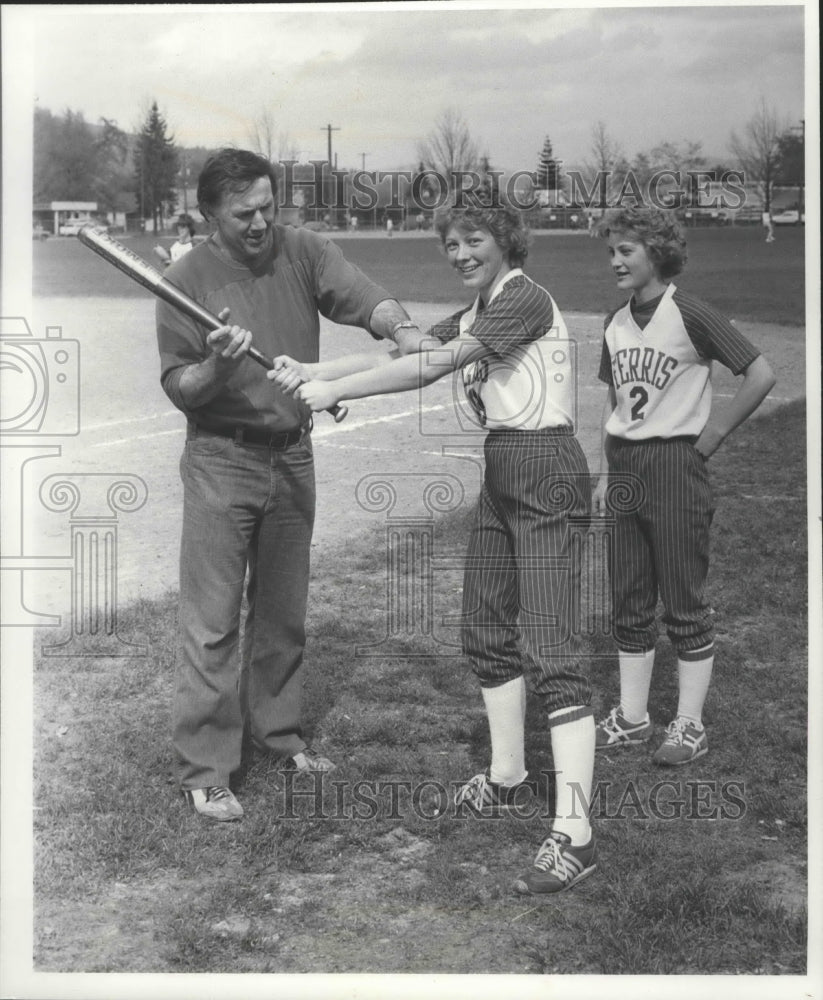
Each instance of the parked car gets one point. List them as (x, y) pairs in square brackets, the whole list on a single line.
[(788, 217), (40, 232), (71, 227)]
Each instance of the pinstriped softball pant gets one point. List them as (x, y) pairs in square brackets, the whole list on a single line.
[(662, 548), (519, 579)]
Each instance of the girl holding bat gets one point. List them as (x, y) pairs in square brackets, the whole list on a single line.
[(512, 349)]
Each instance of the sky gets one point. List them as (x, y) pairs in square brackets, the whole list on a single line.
[(383, 74)]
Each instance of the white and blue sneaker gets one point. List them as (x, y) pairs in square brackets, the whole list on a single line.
[(684, 743), (558, 866)]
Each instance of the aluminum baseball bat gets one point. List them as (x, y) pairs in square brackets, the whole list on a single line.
[(149, 277)]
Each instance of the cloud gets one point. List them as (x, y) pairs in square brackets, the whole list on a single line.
[(382, 75)]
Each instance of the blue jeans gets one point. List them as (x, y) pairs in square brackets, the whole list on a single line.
[(248, 515)]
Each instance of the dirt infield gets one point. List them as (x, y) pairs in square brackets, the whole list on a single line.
[(128, 427)]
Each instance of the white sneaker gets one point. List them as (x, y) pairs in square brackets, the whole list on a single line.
[(615, 731), (217, 803), (308, 760)]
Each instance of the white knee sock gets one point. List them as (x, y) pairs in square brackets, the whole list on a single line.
[(694, 677), (635, 680), (573, 752), (506, 711)]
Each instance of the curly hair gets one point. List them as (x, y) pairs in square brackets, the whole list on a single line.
[(658, 231), (504, 222)]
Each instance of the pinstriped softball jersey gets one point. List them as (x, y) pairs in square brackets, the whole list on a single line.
[(658, 359), (519, 580), (526, 384)]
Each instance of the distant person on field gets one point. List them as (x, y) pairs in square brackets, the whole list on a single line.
[(183, 243), (389, 227), (518, 591), (768, 225), (659, 426)]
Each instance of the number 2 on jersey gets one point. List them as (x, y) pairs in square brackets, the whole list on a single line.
[(639, 394)]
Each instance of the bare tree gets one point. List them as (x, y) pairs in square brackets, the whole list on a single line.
[(606, 166), (604, 152), (449, 148), (261, 134), (286, 148), (758, 149), (680, 157), (268, 142)]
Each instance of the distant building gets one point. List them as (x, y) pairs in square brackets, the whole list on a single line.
[(56, 215)]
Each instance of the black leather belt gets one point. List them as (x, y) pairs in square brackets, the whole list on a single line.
[(277, 441)]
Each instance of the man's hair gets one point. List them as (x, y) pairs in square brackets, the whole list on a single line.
[(658, 231), (504, 222), (229, 171)]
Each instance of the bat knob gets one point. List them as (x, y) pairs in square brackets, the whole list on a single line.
[(339, 413)]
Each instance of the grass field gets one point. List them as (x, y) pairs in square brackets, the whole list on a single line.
[(732, 268), (705, 876)]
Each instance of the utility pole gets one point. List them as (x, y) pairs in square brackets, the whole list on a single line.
[(328, 129), (363, 161), (802, 180), (185, 173), (142, 184)]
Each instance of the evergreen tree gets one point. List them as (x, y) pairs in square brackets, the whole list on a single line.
[(791, 167), (547, 177), (113, 177), (791, 164), (156, 165), (65, 165)]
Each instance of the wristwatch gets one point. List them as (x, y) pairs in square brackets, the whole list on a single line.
[(405, 324)]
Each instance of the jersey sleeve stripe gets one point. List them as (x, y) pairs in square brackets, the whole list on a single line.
[(713, 336), (520, 314)]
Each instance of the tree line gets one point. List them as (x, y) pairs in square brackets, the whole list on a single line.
[(75, 160), (141, 174)]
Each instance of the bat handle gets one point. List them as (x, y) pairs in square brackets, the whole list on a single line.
[(338, 412)]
